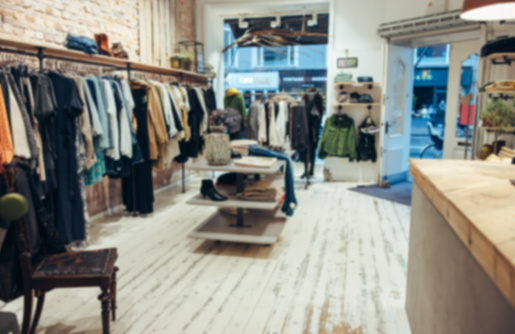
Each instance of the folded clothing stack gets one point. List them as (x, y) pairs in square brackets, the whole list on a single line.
[(242, 146), (256, 162), (262, 191)]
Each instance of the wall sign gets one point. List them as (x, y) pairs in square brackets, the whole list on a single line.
[(348, 62)]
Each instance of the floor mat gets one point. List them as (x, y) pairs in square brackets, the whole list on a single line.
[(399, 193)]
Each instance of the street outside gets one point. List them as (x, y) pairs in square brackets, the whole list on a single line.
[(420, 138)]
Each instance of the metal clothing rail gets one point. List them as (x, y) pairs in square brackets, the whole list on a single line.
[(42, 52)]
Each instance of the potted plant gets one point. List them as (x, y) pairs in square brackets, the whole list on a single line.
[(499, 117), (186, 61), (178, 59)]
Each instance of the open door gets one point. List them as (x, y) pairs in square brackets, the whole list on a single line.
[(461, 97), (398, 105)]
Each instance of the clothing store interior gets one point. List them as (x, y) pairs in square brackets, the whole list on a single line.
[(220, 166)]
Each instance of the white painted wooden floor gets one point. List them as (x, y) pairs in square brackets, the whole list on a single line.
[(339, 267)]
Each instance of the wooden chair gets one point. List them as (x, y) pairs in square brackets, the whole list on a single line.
[(64, 270)]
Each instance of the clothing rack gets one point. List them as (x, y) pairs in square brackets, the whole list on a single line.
[(42, 52), (306, 160)]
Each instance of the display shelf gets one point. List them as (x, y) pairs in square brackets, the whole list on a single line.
[(498, 93), (266, 228), (368, 106), (233, 202), (368, 85), (202, 165), (260, 227), (501, 58)]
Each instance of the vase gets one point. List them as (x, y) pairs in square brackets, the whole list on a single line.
[(218, 149)]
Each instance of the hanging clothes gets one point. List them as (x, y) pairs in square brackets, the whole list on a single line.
[(6, 145), (137, 189), (338, 138), (315, 110), (366, 142), (299, 127), (70, 211), (253, 121)]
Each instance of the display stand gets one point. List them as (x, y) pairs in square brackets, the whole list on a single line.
[(262, 225)]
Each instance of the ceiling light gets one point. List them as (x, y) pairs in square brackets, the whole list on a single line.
[(488, 10), (314, 20), (276, 23), (242, 24)]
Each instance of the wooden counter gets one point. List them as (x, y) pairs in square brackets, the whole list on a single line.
[(478, 201)]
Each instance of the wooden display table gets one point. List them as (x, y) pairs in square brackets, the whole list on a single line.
[(262, 225), (461, 269)]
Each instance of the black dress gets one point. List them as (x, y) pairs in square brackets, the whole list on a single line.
[(70, 209), (137, 189)]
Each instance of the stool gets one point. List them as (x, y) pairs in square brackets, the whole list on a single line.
[(9, 323)]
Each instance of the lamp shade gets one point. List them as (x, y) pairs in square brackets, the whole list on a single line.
[(488, 10)]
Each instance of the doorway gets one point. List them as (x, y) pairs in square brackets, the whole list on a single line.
[(430, 104)]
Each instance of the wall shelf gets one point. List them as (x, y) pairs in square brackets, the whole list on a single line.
[(356, 85), (46, 51), (501, 58)]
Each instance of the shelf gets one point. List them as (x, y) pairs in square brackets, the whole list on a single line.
[(61, 52), (498, 93), (357, 105), (202, 164), (266, 228), (233, 202), (501, 58), (355, 85)]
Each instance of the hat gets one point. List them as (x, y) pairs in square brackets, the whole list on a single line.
[(365, 98)]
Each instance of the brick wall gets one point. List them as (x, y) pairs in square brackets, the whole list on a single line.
[(187, 22), (49, 21)]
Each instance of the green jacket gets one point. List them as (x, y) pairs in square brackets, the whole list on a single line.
[(237, 103), (338, 138)]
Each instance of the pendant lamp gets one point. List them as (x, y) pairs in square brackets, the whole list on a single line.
[(488, 10)]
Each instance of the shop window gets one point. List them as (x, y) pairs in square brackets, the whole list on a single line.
[(278, 56)]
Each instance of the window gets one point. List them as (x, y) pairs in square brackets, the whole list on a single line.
[(278, 56)]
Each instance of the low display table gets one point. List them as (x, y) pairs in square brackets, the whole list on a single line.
[(262, 225)]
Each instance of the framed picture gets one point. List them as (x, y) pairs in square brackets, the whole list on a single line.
[(348, 62)]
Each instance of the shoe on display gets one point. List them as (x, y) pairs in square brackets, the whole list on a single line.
[(208, 189)]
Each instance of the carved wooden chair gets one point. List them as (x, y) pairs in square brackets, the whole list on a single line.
[(64, 270)]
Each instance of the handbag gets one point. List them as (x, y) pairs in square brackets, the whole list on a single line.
[(81, 43)]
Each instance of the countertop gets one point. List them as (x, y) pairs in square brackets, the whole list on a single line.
[(478, 201)]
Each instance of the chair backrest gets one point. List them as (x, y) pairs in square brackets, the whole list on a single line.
[(435, 136)]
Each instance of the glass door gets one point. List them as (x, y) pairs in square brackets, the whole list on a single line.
[(461, 100)]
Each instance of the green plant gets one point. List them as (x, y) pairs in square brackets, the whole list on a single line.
[(499, 115), (181, 56)]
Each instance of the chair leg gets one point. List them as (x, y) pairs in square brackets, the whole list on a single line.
[(27, 311), (39, 309), (113, 294), (105, 298)]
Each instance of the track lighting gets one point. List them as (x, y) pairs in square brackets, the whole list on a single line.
[(242, 24), (314, 20), (276, 23)]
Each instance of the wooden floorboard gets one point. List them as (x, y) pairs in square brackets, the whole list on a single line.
[(338, 267)]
